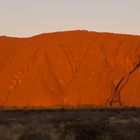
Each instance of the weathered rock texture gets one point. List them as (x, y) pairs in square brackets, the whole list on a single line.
[(75, 68)]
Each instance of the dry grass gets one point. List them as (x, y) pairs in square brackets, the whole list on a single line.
[(82, 124)]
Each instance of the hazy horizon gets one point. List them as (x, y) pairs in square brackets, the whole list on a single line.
[(29, 18)]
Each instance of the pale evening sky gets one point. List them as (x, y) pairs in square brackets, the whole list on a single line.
[(23, 18)]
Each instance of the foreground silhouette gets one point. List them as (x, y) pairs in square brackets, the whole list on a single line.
[(82, 124)]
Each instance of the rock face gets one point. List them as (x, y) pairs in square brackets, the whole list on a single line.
[(75, 68)]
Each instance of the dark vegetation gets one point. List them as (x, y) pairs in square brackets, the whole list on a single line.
[(70, 124)]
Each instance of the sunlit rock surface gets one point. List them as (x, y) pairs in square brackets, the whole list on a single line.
[(75, 68)]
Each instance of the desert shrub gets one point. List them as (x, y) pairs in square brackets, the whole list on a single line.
[(129, 131), (33, 136), (85, 131), (102, 130)]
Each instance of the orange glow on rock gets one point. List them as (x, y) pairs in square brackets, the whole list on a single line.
[(76, 68)]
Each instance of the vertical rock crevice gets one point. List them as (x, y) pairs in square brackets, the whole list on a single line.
[(56, 82), (116, 98)]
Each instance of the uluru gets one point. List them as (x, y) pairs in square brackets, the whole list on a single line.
[(71, 68)]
